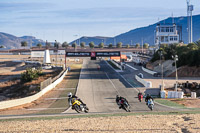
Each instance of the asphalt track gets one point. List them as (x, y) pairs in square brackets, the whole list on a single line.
[(98, 89)]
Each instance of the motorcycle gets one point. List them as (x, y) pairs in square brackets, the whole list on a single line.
[(125, 105), (150, 104), (140, 97), (78, 106)]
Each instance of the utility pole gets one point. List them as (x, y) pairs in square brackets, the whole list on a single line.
[(190, 8), (162, 88), (176, 59)]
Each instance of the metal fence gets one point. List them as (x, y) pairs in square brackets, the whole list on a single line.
[(45, 83)]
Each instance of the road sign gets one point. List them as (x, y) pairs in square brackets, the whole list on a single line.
[(78, 54), (107, 54), (93, 54)]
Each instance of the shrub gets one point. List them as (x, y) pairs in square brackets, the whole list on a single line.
[(30, 74)]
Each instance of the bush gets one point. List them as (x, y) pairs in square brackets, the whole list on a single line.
[(30, 74)]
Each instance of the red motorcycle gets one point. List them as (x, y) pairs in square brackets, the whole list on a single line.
[(140, 97)]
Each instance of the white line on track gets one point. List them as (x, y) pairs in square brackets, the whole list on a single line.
[(122, 76), (131, 67), (44, 108), (112, 83), (65, 89), (56, 98)]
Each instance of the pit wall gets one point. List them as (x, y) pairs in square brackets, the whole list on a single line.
[(29, 99), (147, 84), (148, 71)]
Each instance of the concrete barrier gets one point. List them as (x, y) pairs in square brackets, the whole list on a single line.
[(163, 94), (175, 94), (29, 99), (148, 71), (193, 95), (147, 84), (116, 64)]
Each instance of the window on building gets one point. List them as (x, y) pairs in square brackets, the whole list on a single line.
[(162, 38), (171, 38), (166, 38), (175, 38), (162, 29), (171, 29), (167, 29)]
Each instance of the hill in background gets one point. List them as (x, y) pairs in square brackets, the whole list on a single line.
[(131, 37), (147, 33), (11, 42)]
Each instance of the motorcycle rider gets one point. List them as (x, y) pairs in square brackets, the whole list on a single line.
[(140, 96), (70, 97), (148, 97), (119, 99)]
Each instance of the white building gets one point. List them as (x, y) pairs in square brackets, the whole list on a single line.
[(168, 34)]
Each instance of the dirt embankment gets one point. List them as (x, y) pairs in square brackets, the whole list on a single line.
[(187, 71)]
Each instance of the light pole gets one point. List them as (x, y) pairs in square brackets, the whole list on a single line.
[(162, 88), (56, 45), (176, 59)]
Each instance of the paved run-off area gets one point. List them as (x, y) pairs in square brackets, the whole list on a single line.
[(118, 124)]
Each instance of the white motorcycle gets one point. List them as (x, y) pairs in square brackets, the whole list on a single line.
[(150, 104)]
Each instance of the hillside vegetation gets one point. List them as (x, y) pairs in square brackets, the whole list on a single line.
[(187, 55)]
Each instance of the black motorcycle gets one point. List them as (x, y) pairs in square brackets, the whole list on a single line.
[(125, 105)]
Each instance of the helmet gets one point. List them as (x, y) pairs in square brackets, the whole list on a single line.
[(69, 95)]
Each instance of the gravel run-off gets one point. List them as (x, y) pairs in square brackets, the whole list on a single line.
[(116, 124)]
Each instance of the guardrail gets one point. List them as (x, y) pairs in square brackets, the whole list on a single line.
[(147, 84), (29, 99), (148, 71)]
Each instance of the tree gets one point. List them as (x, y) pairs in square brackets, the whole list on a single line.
[(146, 45), (82, 44), (137, 45), (74, 45), (119, 44), (110, 45), (91, 44), (198, 43), (39, 45), (56, 44), (101, 45), (24, 44), (127, 46), (192, 46), (65, 45), (2, 46), (48, 44)]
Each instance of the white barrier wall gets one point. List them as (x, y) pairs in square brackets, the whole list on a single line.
[(21, 101), (175, 94), (147, 84), (117, 65), (148, 71)]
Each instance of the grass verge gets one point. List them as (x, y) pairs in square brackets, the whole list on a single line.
[(170, 103), (70, 83), (40, 117)]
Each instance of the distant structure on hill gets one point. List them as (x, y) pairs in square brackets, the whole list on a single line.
[(168, 34)]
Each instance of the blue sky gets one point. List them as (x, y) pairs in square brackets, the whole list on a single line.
[(67, 20)]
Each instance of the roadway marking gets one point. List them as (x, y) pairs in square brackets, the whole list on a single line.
[(112, 82), (131, 67), (65, 88), (122, 77), (45, 108), (129, 83), (56, 98)]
